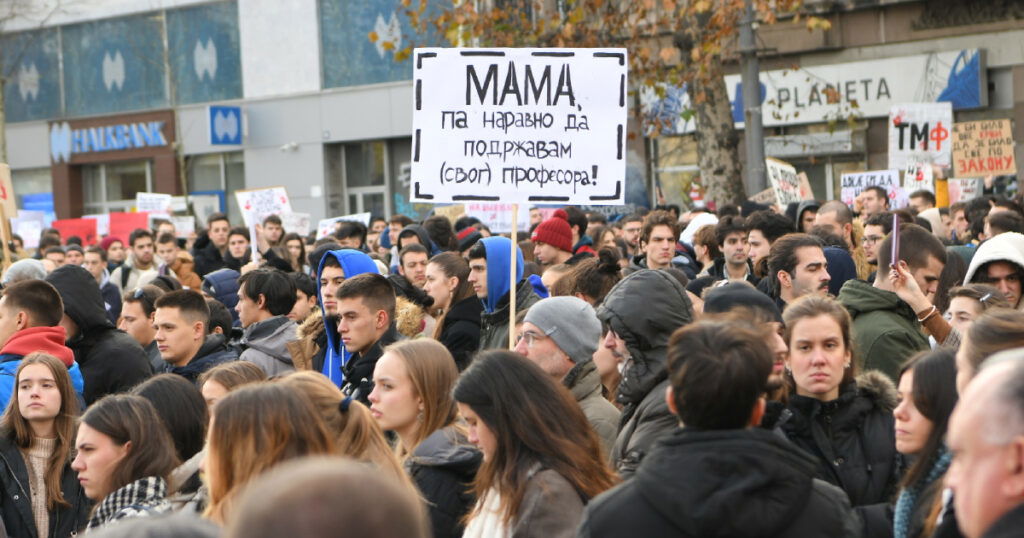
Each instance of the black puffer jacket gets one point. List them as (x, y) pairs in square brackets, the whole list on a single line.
[(461, 330), (16, 498), (722, 483), (443, 467), (644, 309), (111, 361), (359, 368), (206, 255), (853, 440)]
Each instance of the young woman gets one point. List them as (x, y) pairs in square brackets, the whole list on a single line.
[(412, 396), (968, 302), (542, 460), (42, 496), (458, 326), (218, 381), (125, 456), (253, 429), (297, 252), (846, 423), (996, 330), (927, 393), (356, 433)]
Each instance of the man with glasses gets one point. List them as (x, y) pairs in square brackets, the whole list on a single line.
[(999, 262), (561, 334), (875, 230)]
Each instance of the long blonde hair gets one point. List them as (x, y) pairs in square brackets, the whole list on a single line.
[(356, 433), (433, 374)]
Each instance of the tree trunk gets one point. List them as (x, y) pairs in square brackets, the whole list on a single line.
[(717, 140)]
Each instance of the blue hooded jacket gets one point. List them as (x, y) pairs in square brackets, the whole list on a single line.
[(222, 285), (353, 262), (498, 261)]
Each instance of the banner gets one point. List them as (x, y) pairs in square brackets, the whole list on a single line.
[(152, 202), (452, 212), (528, 126), (784, 180), (29, 226), (326, 226), (83, 228), (920, 133), (258, 204), (102, 223), (853, 184), (498, 217), (983, 148), (123, 224)]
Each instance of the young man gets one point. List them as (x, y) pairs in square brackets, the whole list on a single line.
[(95, 261), (886, 329), (74, 255), (873, 200), (764, 228), (139, 268), (350, 234), (238, 248), (876, 229), (137, 320), (273, 230), (1000, 263), (212, 245), (305, 297), (631, 228), (582, 243), (412, 264), (176, 262), (798, 263), (718, 376), (265, 297), (553, 240), (838, 218), (366, 313), (959, 230), (561, 334), (55, 255), (30, 314), (318, 347), (731, 233), (111, 361), (921, 200), (657, 242), (181, 320), (489, 271)]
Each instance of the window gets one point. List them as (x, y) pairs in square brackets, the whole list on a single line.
[(369, 176), (33, 181), (224, 172), (112, 187)]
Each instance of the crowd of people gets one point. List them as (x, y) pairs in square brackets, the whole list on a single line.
[(814, 370)]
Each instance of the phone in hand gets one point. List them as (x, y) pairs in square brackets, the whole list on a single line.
[(894, 255)]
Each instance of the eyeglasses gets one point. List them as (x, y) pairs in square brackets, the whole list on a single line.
[(530, 337), (872, 239)]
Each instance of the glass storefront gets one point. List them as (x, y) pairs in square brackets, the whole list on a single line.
[(218, 172), (112, 187)]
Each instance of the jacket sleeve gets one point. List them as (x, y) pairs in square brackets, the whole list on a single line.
[(653, 419), (551, 508)]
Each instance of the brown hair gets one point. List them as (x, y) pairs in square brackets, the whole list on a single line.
[(996, 330), (232, 375), (253, 429), (432, 372), (988, 296), (16, 428), (705, 237), (812, 306), (131, 418), (452, 265), (356, 434), (593, 278), (375, 292), (658, 218), (39, 299), (916, 246)]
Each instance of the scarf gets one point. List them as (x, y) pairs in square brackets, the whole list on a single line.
[(908, 497), (143, 498)]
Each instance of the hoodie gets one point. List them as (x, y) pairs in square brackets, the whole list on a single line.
[(111, 297), (494, 324), (111, 361), (1008, 246), (266, 342), (885, 329), (46, 339), (723, 483), (644, 309), (222, 285), (840, 268), (335, 357), (214, 351)]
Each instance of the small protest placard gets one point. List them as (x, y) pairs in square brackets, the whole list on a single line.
[(7, 202), (983, 148), (152, 202), (919, 177), (961, 190), (519, 125), (296, 222), (257, 204), (29, 226), (184, 226), (784, 180), (920, 133), (326, 226), (854, 183), (83, 228), (498, 217), (766, 196), (453, 212)]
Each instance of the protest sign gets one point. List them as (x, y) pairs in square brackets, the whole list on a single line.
[(7, 202), (918, 177), (854, 183), (296, 222), (983, 148), (806, 192), (102, 223), (152, 202), (184, 226), (83, 228), (498, 217), (258, 204), (766, 196), (326, 226), (453, 212), (123, 224), (961, 190), (920, 133), (29, 226), (519, 125), (784, 180)]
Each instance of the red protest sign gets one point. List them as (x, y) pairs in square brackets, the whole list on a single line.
[(122, 224), (84, 228)]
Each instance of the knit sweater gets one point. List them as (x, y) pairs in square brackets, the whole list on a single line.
[(36, 460)]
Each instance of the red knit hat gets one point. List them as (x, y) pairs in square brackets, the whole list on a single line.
[(555, 231)]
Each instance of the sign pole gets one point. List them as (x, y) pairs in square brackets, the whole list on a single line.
[(512, 279)]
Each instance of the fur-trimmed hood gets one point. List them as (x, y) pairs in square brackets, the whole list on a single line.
[(312, 327), (878, 387)]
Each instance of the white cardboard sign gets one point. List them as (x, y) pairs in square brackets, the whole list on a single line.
[(785, 181), (920, 133), (855, 183), (152, 202), (519, 126), (257, 204), (326, 226)]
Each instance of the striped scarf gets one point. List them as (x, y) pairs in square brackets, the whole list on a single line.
[(908, 497), (143, 498)]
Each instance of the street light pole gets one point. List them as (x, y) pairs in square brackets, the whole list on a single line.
[(753, 132)]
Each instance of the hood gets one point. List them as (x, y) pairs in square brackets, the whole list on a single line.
[(840, 267), (423, 236), (81, 295), (806, 205), (222, 285), (935, 219), (538, 286), (859, 297), (353, 262), (270, 336), (446, 447), (696, 223), (583, 380), (1008, 246), (46, 339), (644, 309), (739, 482), (499, 261)]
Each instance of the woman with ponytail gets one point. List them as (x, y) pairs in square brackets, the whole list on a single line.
[(593, 278), (458, 324)]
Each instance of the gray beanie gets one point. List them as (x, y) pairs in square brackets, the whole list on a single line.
[(570, 322), (27, 269)]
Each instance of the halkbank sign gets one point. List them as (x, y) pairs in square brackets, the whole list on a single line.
[(65, 141)]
